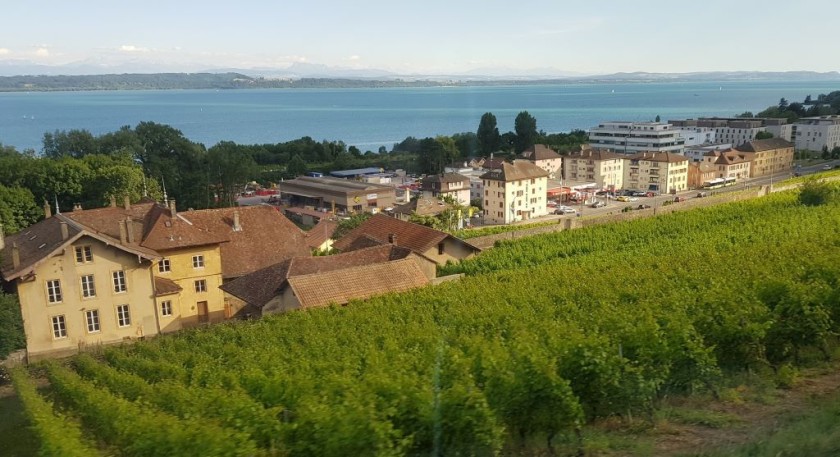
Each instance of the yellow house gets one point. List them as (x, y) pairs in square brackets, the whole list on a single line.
[(110, 274), (516, 191), (78, 287)]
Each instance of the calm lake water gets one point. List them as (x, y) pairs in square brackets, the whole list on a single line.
[(370, 118)]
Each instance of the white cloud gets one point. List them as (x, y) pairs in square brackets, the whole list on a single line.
[(4, 51), (42, 52), (354, 58), (132, 48)]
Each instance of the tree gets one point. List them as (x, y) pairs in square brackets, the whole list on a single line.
[(296, 166), (763, 135), (18, 209), (383, 150), (657, 118), (808, 100), (71, 143), (746, 114), (815, 192), (230, 169), (525, 127), (487, 135), (783, 104)]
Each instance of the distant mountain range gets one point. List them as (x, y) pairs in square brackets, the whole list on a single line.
[(95, 75)]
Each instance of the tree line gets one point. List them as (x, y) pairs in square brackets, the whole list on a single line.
[(76, 166)]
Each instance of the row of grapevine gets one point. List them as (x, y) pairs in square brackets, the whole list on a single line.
[(57, 434), (543, 335), (138, 430)]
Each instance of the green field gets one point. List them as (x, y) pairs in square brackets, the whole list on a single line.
[(543, 336)]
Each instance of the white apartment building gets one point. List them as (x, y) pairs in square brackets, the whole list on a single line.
[(737, 130), (632, 137), (696, 153), (816, 133), (515, 191), (661, 172), (604, 168), (454, 185)]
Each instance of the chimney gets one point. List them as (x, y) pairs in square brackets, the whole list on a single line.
[(172, 207), (47, 212), (127, 202), (122, 232), (129, 227), (237, 227), (64, 232), (113, 201), (77, 206), (15, 255), (392, 238)]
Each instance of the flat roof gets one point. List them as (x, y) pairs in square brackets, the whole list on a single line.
[(356, 172), (310, 186)]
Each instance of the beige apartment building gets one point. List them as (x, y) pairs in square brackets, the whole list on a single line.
[(516, 191), (663, 172), (544, 157), (604, 168), (770, 156)]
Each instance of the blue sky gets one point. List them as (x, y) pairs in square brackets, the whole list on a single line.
[(429, 36)]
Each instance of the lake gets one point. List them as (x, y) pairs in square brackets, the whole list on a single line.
[(370, 118)]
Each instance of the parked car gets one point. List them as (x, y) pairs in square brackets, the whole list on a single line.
[(643, 207), (638, 193), (650, 194), (623, 198), (827, 167), (634, 199), (679, 199), (702, 194), (598, 204), (564, 210)]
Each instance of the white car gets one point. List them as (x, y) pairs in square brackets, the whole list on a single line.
[(564, 210), (827, 167)]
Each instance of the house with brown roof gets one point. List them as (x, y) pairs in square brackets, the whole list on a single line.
[(420, 206), (515, 191), (663, 172), (700, 173), (307, 282), (769, 156), (439, 247), (729, 163), (544, 157), (78, 286), (453, 185), (319, 238), (599, 166), (104, 275)]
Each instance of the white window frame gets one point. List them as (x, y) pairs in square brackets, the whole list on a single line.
[(84, 254), (88, 287), (92, 321), (198, 261), (120, 285), (200, 285), (54, 294), (166, 308), (123, 316), (59, 327), (164, 266)]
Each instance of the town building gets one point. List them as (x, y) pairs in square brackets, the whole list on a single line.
[(604, 168), (817, 133), (662, 172), (738, 130), (729, 164), (106, 275), (633, 137), (545, 158), (696, 153), (516, 191), (439, 247), (454, 185), (768, 157), (700, 173), (338, 195)]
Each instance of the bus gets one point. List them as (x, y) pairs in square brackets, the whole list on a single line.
[(717, 183)]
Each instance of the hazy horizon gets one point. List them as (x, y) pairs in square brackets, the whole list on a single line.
[(433, 37)]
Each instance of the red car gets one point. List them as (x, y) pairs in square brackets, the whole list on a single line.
[(679, 199)]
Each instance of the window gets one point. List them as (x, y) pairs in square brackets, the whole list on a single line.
[(88, 288), (92, 319), (198, 261), (164, 266), (201, 285), (166, 308), (83, 254), (119, 282), (54, 291), (59, 327), (123, 316), (440, 248)]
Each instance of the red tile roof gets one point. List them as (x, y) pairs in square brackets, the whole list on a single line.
[(515, 171), (357, 283), (261, 286), (765, 145), (164, 286), (540, 152), (265, 237), (319, 234), (380, 227)]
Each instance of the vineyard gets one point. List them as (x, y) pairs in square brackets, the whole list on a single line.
[(542, 336)]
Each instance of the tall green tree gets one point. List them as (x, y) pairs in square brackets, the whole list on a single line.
[(71, 143), (230, 168), (487, 135), (18, 209), (525, 127)]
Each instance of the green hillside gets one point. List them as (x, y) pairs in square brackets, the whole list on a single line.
[(542, 336)]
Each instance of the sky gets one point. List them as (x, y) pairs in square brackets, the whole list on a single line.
[(427, 36)]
